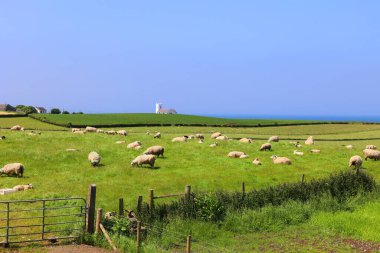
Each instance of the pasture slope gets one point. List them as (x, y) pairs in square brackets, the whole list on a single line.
[(313, 226)]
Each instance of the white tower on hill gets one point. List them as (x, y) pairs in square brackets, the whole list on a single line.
[(158, 107)]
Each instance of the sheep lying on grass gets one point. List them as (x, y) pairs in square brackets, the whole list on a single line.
[(79, 132), (256, 161), (280, 160), (315, 151), (309, 141), (157, 135), (222, 138), (135, 145), (144, 159), (94, 158), (349, 146), (243, 156), (246, 140), (23, 187), (155, 150), (99, 131), (75, 129), (215, 135), (199, 136), (266, 146), (12, 169), (274, 139), (90, 129), (296, 152), (180, 139), (235, 154), (355, 161), (111, 132), (371, 154), (17, 128), (213, 145)]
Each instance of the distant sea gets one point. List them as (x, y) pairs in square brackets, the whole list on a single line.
[(374, 119)]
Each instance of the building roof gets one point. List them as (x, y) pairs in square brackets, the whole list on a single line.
[(7, 107), (40, 108)]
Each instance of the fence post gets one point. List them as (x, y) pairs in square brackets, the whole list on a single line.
[(91, 198), (121, 207), (138, 236), (43, 219), (187, 193), (139, 204), (6, 244), (303, 178), (151, 199), (188, 244), (243, 188), (99, 215)]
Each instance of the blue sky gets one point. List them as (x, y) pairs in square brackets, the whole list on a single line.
[(200, 57)]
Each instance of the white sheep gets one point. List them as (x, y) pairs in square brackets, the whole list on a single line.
[(199, 136), (144, 159), (90, 129), (243, 156), (315, 151), (281, 160), (370, 147), (99, 131), (246, 140), (274, 139), (213, 145), (371, 154), (296, 152), (355, 161), (23, 187), (75, 129), (13, 169), (215, 135), (256, 161), (94, 158), (180, 139), (111, 132), (16, 128), (155, 150), (222, 138), (79, 132), (157, 135), (266, 146), (349, 146), (310, 141), (122, 132), (134, 144), (235, 154)]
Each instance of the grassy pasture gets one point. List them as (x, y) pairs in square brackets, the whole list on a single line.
[(27, 123), (57, 173)]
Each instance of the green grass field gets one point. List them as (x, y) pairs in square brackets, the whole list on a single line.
[(57, 173), (150, 118)]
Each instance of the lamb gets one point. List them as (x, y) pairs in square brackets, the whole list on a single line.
[(310, 141), (13, 169), (256, 161), (75, 129), (213, 145), (355, 161), (111, 132), (134, 144), (155, 150), (370, 147), (274, 139), (215, 135), (94, 158), (266, 146), (23, 187), (17, 128), (144, 159), (235, 154), (296, 152), (281, 160), (199, 136), (222, 138), (316, 151), (371, 154), (90, 129), (122, 132), (246, 140), (157, 135), (180, 139)]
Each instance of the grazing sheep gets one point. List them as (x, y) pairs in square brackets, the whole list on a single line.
[(349, 146), (256, 161), (134, 144), (13, 169), (316, 151), (111, 132), (266, 146), (370, 147), (246, 140), (243, 156), (122, 132), (157, 135), (296, 152), (215, 135), (75, 129), (355, 161), (23, 187), (310, 141), (17, 128), (94, 158), (274, 139), (199, 136), (235, 154), (155, 150), (280, 160), (79, 132), (99, 131), (180, 139), (90, 129), (222, 138), (144, 159), (120, 142), (213, 145), (371, 154)]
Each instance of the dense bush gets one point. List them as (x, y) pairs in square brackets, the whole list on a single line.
[(212, 206), (55, 111)]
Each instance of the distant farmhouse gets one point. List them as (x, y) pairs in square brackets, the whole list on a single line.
[(161, 110), (40, 109), (7, 108)]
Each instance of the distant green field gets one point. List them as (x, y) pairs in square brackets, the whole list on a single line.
[(154, 119), (27, 123)]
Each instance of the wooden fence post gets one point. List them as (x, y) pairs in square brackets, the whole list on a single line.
[(243, 188), (303, 178), (187, 193), (138, 236), (99, 215), (91, 198), (139, 204), (151, 199), (121, 207), (188, 244)]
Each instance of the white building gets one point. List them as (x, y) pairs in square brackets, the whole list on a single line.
[(161, 110)]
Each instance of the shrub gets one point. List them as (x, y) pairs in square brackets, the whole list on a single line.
[(208, 208), (55, 111)]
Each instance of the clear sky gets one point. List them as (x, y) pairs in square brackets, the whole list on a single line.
[(280, 57)]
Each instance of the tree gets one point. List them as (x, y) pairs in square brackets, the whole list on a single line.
[(65, 112), (55, 111), (26, 109)]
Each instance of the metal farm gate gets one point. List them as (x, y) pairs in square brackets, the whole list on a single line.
[(23, 221)]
